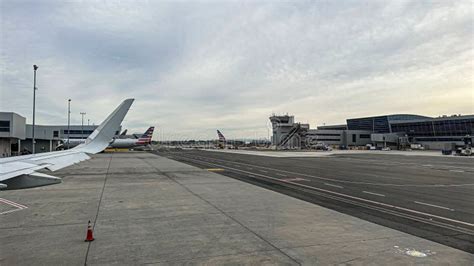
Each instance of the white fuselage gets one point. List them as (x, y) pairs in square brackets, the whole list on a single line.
[(125, 143), (116, 143)]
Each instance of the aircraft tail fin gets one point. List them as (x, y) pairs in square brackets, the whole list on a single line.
[(221, 136), (146, 137)]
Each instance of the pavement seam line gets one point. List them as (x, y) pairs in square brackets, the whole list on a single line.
[(217, 164), (336, 180), (228, 216), (98, 206), (429, 235), (238, 222), (336, 193), (40, 226)]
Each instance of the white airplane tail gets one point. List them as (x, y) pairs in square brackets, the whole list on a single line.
[(100, 138)]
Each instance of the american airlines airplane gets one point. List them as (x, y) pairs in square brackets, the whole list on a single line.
[(144, 140), (222, 142), (20, 171)]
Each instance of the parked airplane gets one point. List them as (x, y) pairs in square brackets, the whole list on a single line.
[(221, 142), (144, 140), (123, 133), (224, 143), (129, 136), (20, 172)]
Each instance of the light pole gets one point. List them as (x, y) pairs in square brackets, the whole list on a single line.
[(35, 67), (68, 120), (88, 120), (82, 124)]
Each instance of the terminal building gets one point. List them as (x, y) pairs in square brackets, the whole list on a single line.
[(49, 137), (12, 131), (394, 131), (16, 136)]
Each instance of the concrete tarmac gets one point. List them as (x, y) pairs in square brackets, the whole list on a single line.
[(431, 197), (147, 209)]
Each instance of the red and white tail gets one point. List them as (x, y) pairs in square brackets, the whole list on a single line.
[(221, 137), (146, 137)]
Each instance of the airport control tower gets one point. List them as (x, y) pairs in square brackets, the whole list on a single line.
[(286, 133)]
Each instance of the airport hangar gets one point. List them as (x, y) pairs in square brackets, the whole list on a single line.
[(16, 136), (394, 131)]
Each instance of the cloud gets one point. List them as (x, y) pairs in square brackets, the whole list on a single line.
[(197, 66)]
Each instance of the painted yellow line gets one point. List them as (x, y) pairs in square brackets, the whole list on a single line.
[(215, 169), (343, 195), (116, 150)]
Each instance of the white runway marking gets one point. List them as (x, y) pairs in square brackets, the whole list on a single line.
[(280, 174), (427, 165), (294, 179), (372, 193), (352, 197), (457, 171), (436, 206), (346, 181), (327, 184), (263, 171), (13, 204)]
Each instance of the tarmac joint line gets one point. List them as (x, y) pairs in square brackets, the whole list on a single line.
[(380, 204), (230, 217), (98, 207)]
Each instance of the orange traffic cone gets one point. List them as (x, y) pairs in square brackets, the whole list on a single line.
[(89, 236)]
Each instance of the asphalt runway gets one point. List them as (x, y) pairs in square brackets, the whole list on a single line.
[(430, 197)]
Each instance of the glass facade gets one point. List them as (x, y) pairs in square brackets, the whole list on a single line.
[(4, 126), (328, 134), (78, 132), (436, 127), (333, 127), (376, 124), (379, 124)]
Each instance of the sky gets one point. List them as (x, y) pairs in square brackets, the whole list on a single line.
[(197, 66)]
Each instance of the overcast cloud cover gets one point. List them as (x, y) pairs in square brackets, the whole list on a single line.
[(194, 66)]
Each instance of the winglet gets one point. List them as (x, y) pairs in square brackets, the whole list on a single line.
[(100, 138)]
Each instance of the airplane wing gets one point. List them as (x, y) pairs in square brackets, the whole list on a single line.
[(20, 172)]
